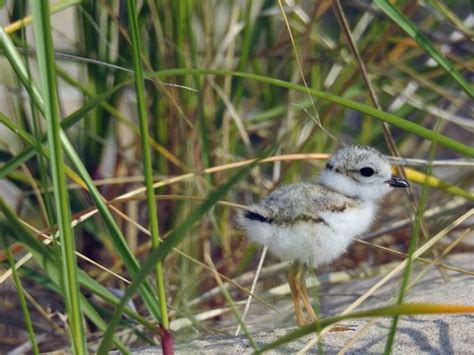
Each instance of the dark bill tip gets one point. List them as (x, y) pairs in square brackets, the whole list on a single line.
[(396, 181)]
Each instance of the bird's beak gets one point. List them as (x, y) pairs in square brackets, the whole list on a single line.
[(396, 181)]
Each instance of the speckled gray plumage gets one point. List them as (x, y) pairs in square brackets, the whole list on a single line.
[(285, 206)]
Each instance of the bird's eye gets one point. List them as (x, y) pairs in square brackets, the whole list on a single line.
[(367, 171)]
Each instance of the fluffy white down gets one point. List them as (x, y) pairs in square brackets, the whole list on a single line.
[(314, 244)]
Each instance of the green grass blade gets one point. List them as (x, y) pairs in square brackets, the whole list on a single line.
[(146, 155), (15, 60), (415, 236), (380, 115), (160, 253), (406, 25), (94, 316), (45, 55), (45, 200), (31, 141), (22, 299)]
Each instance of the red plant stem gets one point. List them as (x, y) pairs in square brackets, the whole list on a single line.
[(166, 341)]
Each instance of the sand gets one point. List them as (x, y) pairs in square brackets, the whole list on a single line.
[(426, 334)]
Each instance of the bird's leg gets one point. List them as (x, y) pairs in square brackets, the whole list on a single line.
[(299, 292), (305, 297), (294, 281)]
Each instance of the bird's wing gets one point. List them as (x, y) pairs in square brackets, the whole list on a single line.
[(298, 202)]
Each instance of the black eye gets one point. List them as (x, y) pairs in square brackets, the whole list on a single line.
[(367, 171)]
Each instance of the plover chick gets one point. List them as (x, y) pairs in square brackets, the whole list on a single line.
[(313, 223)]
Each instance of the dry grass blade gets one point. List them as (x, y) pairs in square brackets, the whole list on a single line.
[(232, 305), (252, 289)]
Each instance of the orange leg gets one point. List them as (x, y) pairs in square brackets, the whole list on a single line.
[(297, 283), (294, 283), (306, 301)]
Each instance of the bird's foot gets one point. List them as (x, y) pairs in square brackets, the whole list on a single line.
[(301, 321)]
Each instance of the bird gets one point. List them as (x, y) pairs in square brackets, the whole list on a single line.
[(313, 223)]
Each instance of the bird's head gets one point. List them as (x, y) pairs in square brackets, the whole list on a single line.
[(361, 172)]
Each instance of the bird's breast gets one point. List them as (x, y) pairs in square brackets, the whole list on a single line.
[(351, 221)]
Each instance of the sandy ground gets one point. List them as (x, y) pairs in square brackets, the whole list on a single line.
[(434, 334)]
